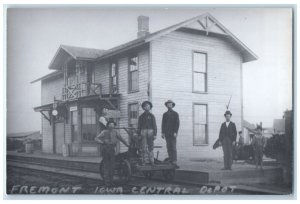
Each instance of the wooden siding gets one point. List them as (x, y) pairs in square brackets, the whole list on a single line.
[(141, 95), (172, 79), (52, 88), (102, 76), (47, 142)]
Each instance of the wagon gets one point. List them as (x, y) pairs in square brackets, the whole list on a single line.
[(128, 163)]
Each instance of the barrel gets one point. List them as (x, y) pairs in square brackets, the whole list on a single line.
[(29, 148), (66, 150)]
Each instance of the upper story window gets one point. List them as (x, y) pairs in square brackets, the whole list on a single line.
[(199, 72), (91, 75), (71, 74), (114, 78), (133, 78)]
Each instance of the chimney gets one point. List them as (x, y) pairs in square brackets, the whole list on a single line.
[(143, 26)]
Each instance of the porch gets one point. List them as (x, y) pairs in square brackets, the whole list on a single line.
[(72, 125), (79, 90)]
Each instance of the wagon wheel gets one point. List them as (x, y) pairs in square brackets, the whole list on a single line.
[(148, 174), (124, 171), (101, 169), (169, 174)]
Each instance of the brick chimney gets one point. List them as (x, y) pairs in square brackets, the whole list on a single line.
[(143, 26)]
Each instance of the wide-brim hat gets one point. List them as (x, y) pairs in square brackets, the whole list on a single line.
[(111, 121), (147, 102), (228, 113), (169, 101)]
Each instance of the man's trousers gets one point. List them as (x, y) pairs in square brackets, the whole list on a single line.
[(227, 151)]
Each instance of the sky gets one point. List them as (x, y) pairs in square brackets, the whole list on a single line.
[(34, 35)]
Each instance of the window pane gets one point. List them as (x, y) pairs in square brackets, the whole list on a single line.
[(200, 134), (199, 82), (134, 80), (200, 114), (113, 69), (199, 62), (200, 124), (133, 114), (133, 63)]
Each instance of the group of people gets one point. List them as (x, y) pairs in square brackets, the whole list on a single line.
[(227, 138), (147, 132)]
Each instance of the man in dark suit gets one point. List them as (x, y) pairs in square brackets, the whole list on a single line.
[(227, 137), (169, 127)]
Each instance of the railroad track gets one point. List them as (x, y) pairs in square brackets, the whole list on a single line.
[(140, 183)]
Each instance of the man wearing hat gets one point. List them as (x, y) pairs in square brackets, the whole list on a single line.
[(259, 143), (227, 137), (109, 139), (147, 130), (169, 127)]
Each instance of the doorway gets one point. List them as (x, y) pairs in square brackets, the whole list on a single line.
[(59, 137)]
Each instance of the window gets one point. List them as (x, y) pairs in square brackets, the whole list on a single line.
[(133, 74), (114, 78), (199, 72), (90, 85), (91, 75), (133, 114), (200, 124), (89, 126), (74, 125)]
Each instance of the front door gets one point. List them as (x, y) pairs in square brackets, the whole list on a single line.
[(59, 137)]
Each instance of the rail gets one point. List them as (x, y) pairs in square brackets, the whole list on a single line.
[(76, 91)]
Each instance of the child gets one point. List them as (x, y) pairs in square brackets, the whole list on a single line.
[(258, 143), (109, 139)]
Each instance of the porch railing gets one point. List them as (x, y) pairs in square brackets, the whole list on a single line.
[(80, 90)]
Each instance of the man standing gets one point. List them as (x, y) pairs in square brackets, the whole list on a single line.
[(227, 137), (109, 139), (147, 130), (169, 127)]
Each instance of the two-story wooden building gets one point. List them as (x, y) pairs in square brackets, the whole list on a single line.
[(197, 63)]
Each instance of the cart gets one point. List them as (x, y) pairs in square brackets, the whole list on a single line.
[(127, 163)]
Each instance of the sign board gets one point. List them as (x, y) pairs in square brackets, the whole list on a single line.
[(73, 108)]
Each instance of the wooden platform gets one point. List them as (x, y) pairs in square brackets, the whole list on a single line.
[(192, 173)]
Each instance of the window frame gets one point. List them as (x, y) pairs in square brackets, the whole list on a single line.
[(81, 124), (194, 71), (138, 107), (207, 125), (130, 90), (116, 74), (72, 126)]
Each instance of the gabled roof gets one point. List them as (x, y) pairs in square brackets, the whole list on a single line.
[(48, 76), (205, 23), (248, 125), (65, 51), (22, 134)]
